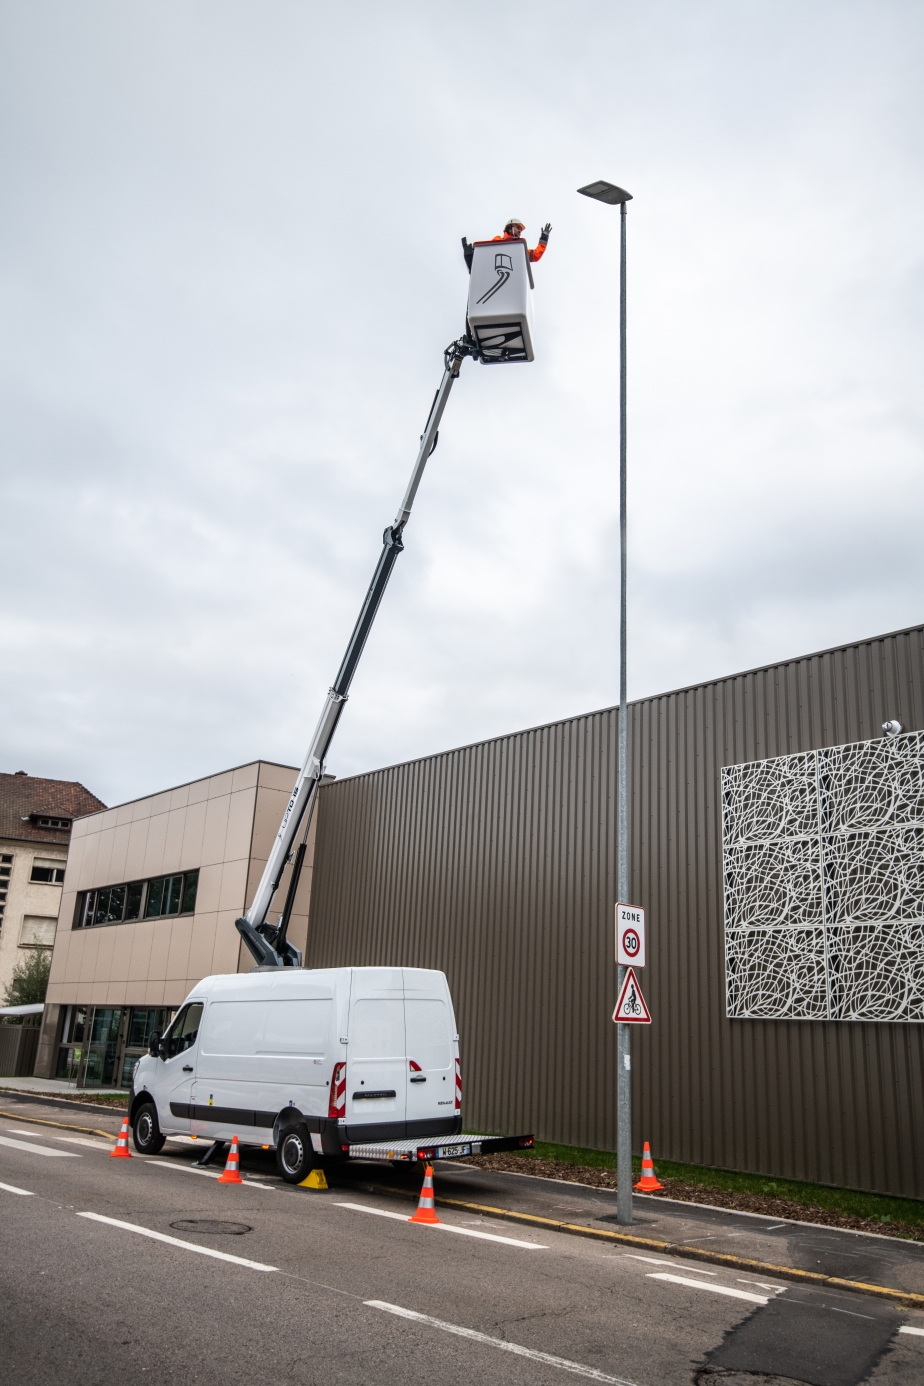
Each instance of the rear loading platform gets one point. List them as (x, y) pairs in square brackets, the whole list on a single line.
[(440, 1148)]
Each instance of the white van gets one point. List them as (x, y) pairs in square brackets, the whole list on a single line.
[(308, 1061)]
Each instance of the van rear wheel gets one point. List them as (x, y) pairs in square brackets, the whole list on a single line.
[(146, 1130), (294, 1154)]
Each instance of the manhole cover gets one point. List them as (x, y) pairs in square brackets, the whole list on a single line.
[(212, 1226)]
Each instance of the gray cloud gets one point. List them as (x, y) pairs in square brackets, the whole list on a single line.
[(230, 262)]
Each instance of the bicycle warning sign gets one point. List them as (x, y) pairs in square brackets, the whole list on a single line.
[(631, 1008)]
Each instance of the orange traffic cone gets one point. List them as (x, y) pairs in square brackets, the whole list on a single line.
[(121, 1151), (232, 1170), (649, 1180), (425, 1208)]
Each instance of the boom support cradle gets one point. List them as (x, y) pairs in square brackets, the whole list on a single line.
[(268, 942)]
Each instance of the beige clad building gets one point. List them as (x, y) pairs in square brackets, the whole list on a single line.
[(150, 896)]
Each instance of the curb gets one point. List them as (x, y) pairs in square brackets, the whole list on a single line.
[(907, 1298), (64, 1125), (47, 1101)]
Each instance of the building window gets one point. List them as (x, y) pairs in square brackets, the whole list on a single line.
[(47, 870), (172, 895), (824, 883), (119, 904), (43, 822), (37, 931)]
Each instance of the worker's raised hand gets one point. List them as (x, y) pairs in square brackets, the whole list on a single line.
[(546, 232)]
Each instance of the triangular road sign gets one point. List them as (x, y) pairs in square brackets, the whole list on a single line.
[(631, 1008)]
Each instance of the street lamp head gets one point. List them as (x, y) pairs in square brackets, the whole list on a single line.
[(606, 192)]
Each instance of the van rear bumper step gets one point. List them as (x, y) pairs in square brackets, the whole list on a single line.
[(437, 1148)]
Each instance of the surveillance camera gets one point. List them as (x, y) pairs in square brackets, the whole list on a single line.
[(892, 728)]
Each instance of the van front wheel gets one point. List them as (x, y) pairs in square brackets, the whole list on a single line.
[(294, 1155), (146, 1131)]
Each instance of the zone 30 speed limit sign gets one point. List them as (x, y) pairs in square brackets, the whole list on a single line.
[(630, 936)]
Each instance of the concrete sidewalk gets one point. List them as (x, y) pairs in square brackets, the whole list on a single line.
[(49, 1086)]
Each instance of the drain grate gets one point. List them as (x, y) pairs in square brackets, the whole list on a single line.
[(212, 1227)]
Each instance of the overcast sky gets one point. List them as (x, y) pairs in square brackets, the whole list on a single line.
[(229, 264)]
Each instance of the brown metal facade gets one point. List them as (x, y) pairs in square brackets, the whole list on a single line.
[(497, 864)]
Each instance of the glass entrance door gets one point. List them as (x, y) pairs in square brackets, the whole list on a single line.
[(101, 1049)]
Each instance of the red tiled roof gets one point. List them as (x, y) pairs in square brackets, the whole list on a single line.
[(22, 795)]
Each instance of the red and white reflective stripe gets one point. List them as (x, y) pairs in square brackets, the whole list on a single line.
[(458, 1085), (336, 1108)]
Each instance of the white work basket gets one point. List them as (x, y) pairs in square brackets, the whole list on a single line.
[(500, 318)]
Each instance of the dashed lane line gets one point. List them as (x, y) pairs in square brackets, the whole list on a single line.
[(445, 1227), (176, 1241), (577, 1368), (906, 1328), (206, 1173), (657, 1261), (34, 1149), (11, 1188), (62, 1125), (70, 1140), (707, 1285)]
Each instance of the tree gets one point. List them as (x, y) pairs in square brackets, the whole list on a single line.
[(30, 979)]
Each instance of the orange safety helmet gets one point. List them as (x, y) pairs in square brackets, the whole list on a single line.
[(515, 225)]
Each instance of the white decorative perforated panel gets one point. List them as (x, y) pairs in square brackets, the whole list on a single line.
[(824, 883)]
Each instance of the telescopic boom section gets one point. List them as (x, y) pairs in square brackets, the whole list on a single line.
[(268, 942)]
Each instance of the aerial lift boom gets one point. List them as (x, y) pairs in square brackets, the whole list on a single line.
[(268, 942), (498, 329)]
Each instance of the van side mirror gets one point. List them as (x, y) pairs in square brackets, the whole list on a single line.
[(154, 1047)]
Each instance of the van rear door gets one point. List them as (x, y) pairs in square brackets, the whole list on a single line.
[(429, 1025), (376, 1095)]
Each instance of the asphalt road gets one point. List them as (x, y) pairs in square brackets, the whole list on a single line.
[(266, 1282)]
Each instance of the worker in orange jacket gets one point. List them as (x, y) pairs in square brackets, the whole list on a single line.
[(513, 231)]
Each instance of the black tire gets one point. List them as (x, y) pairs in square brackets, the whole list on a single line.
[(295, 1158), (146, 1130)]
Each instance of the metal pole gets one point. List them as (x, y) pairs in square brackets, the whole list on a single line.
[(623, 1057)]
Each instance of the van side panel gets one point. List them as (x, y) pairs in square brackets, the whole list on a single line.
[(265, 1044)]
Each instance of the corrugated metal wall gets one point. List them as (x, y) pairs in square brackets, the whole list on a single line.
[(496, 863)]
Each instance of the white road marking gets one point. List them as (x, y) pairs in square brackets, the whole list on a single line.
[(777, 1289), (905, 1328), (39, 1149), (11, 1188), (444, 1227), (175, 1241), (705, 1285), (577, 1368), (777, 1227), (206, 1173), (71, 1140), (654, 1261)]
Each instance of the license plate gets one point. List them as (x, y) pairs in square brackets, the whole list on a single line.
[(446, 1152)]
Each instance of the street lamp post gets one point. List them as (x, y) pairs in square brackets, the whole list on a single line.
[(613, 196)]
